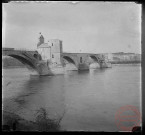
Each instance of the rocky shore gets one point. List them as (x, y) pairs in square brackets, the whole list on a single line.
[(13, 122)]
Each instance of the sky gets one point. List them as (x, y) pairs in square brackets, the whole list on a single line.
[(84, 27)]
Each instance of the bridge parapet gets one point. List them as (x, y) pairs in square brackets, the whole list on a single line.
[(23, 49)]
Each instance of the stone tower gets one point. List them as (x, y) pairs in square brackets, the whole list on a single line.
[(56, 51), (50, 51)]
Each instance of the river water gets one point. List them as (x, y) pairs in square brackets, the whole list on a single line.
[(87, 100)]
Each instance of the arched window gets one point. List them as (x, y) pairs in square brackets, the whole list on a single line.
[(80, 59), (52, 56), (35, 56)]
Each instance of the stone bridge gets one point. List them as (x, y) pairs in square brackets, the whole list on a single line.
[(83, 61), (50, 56), (31, 59)]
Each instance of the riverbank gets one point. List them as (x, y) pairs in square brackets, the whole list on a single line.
[(13, 122)]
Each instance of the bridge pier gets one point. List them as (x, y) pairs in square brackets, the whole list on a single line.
[(83, 66)]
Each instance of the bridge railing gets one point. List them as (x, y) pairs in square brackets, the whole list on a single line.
[(17, 49)]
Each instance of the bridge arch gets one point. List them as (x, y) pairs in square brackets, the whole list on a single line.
[(23, 60), (36, 56), (69, 59), (72, 64), (94, 58), (95, 63)]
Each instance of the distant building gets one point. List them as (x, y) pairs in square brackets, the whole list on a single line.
[(123, 57)]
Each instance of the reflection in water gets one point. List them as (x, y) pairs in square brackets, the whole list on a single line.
[(87, 100), (94, 71)]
